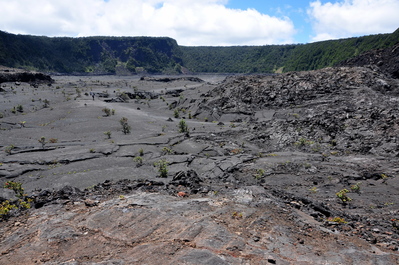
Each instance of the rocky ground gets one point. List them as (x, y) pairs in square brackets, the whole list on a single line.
[(253, 181)]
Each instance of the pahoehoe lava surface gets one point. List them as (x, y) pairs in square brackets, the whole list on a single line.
[(253, 181)]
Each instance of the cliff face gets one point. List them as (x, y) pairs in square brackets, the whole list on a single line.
[(132, 55), (96, 55)]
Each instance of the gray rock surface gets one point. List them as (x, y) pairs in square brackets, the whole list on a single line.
[(255, 180)]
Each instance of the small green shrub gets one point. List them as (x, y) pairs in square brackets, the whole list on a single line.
[(141, 151), (125, 126), (183, 128), (176, 113), (339, 220), (108, 134), (22, 203), (124, 97), (9, 149), (260, 173), (22, 123), (107, 111), (20, 108), (342, 195), (162, 166), (5, 208), (42, 141), (16, 187), (167, 151), (46, 103), (138, 160), (356, 187)]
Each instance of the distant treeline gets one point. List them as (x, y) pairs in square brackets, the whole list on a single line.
[(272, 58), (130, 55)]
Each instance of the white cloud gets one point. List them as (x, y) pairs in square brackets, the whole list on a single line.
[(190, 22), (349, 18)]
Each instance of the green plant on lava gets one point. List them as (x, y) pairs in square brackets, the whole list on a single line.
[(237, 215), (138, 160), (46, 103), (42, 141), (356, 187), (107, 111), (162, 166), (167, 151), (125, 126), (23, 201), (16, 187), (176, 113), (342, 195), (339, 220), (20, 108), (9, 149), (141, 151), (183, 128), (6, 207), (260, 173), (108, 134)]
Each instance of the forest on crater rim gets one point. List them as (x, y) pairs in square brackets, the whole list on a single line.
[(163, 55)]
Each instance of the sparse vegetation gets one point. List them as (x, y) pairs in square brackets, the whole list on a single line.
[(108, 134), (107, 111), (42, 141), (53, 140), (356, 187), (46, 103), (260, 173), (20, 108), (138, 160), (167, 151), (237, 215), (339, 220), (162, 166), (183, 128), (176, 113), (9, 149), (342, 195), (125, 126), (23, 201)]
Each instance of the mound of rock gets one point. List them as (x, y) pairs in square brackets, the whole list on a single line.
[(386, 60), (16, 75), (346, 109)]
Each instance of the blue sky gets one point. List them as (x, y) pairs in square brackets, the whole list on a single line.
[(295, 10), (203, 22)]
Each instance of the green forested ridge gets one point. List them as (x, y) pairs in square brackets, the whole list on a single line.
[(299, 57), (163, 55), (90, 54)]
